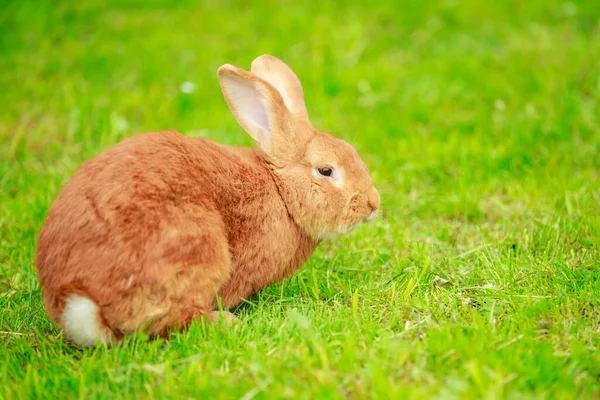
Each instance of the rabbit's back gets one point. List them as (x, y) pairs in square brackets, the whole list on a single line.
[(123, 220)]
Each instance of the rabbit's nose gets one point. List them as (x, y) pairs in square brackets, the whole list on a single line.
[(374, 199)]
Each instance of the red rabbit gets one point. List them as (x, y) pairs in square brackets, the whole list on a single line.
[(148, 233)]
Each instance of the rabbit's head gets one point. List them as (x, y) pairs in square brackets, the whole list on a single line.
[(326, 186)]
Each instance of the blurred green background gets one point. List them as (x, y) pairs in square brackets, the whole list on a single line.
[(480, 122)]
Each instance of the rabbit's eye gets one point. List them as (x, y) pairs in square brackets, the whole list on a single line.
[(325, 171)]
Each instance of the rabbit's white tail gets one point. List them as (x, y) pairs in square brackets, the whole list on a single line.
[(83, 323)]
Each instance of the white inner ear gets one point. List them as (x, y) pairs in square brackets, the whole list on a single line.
[(248, 106)]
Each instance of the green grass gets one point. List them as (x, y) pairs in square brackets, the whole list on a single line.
[(480, 122)]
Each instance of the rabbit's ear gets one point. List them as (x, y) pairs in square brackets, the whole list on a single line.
[(281, 76), (256, 105)]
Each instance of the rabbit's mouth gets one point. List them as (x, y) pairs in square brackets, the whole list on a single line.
[(358, 223), (371, 216), (346, 230)]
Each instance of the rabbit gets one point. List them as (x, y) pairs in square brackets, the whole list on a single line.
[(162, 229)]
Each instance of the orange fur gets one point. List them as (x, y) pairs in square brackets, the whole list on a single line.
[(153, 228)]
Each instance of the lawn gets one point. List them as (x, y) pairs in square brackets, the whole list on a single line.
[(480, 122)]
